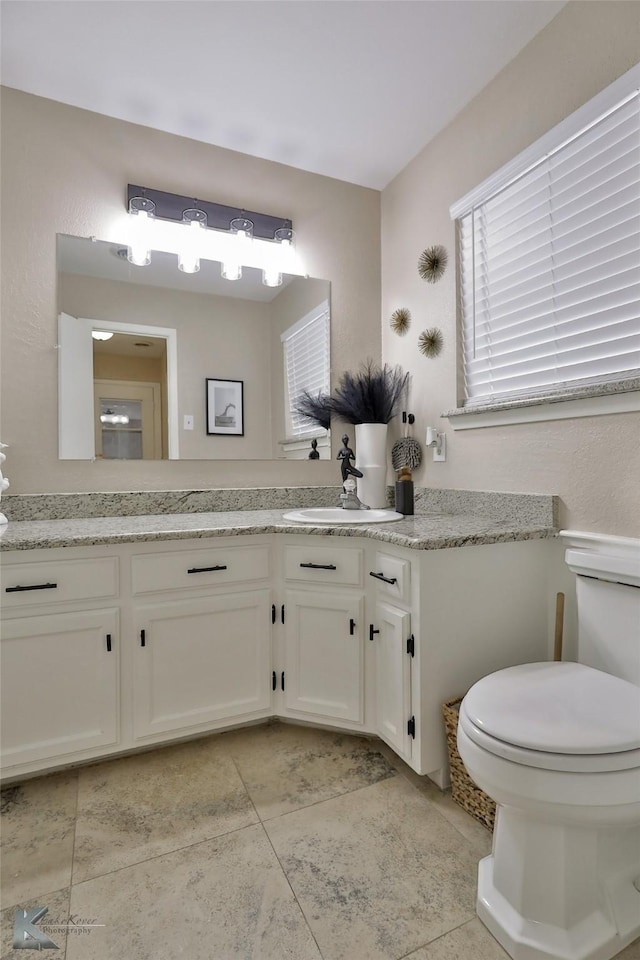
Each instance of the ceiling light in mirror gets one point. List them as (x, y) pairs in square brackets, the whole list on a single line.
[(101, 335), (272, 277)]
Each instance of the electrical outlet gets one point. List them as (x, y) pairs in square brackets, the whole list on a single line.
[(440, 452), (188, 422)]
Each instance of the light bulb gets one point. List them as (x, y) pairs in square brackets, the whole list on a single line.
[(101, 335), (284, 238), (114, 418), (241, 232), (231, 271), (189, 257), (271, 277), (139, 250), (280, 254)]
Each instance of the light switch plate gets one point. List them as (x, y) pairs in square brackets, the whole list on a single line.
[(188, 422)]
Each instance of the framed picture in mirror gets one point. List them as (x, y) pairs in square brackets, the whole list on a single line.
[(225, 407)]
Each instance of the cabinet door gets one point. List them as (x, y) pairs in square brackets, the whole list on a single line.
[(200, 661), (324, 654), (59, 685), (393, 677)]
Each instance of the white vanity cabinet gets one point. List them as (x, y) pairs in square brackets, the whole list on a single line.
[(475, 609), (323, 620), (397, 689), (202, 621), (446, 618), (108, 648), (60, 652)]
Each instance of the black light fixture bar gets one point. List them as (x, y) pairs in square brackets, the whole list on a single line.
[(170, 206)]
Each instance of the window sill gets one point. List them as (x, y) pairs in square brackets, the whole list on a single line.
[(584, 402)]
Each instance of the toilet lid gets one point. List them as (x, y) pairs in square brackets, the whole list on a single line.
[(557, 708)]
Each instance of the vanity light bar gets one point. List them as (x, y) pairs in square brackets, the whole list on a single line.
[(171, 206), (158, 220)]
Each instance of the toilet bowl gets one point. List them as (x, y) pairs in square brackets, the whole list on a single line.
[(557, 746)]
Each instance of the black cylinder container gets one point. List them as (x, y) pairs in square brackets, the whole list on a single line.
[(404, 497)]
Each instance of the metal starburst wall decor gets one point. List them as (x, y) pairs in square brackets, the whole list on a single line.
[(432, 263), (400, 321), (430, 342)]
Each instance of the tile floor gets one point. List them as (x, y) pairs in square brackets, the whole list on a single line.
[(269, 843)]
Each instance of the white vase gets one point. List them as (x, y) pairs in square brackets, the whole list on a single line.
[(371, 460)]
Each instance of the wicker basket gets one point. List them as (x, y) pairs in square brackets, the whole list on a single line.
[(463, 789)]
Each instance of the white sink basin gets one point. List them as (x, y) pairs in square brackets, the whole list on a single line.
[(340, 515)]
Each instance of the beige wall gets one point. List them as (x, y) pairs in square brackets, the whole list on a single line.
[(593, 464), (66, 170), (115, 366)]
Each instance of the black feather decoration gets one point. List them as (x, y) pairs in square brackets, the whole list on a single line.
[(373, 395), (317, 409)]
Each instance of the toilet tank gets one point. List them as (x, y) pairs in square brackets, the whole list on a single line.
[(608, 600)]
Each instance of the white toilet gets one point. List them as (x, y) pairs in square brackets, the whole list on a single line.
[(557, 746)]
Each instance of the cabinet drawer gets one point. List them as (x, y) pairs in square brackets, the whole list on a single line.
[(392, 576), (31, 584), (338, 565), (159, 572)]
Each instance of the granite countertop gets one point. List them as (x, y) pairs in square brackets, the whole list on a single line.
[(422, 532)]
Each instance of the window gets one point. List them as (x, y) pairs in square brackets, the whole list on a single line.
[(549, 259), (306, 366)]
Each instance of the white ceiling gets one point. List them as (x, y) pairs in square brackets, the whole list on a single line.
[(351, 89)]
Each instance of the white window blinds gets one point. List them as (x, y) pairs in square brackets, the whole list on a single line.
[(549, 267), (307, 366)]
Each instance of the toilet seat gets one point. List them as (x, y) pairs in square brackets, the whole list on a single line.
[(556, 716)]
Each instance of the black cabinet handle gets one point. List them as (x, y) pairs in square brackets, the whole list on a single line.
[(319, 566), (273, 680), (372, 631), (108, 643), (282, 612), (35, 586), (381, 576), (352, 627), (273, 613), (206, 569), (143, 638), (282, 679)]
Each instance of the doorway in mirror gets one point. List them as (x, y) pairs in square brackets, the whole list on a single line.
[(128, 422)]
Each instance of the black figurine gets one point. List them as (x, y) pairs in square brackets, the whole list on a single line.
[(314, 455), (345, 455)]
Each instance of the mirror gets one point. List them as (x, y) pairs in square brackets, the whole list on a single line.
[(174, 346)]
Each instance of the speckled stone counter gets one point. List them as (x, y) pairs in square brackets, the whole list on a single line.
[(425, 532), (532, 507), (136, 503)]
